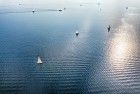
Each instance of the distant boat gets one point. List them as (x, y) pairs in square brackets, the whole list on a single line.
[(77, 33), (39, 61), (126, 8), (109, 28), (33, 11), (98, 3), (60, 10)]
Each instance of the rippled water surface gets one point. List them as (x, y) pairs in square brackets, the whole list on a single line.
[(95, 62)]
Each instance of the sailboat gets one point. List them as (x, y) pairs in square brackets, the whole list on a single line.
[(39, 61)]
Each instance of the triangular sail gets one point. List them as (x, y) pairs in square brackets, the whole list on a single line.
[(39, 61)]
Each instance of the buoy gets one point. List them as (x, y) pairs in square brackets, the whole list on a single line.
[(39, 61)]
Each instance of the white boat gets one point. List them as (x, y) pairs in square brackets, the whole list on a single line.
[(77, 33), (39, 61), (33, 11)]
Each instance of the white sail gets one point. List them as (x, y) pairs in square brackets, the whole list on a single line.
[(39, 61)]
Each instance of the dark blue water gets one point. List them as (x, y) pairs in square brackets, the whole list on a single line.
[(95, 62)]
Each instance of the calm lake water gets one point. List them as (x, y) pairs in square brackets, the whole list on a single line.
[(95, 62)]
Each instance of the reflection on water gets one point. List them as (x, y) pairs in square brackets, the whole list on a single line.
[(123, 43), (121, 52), (94, 62)]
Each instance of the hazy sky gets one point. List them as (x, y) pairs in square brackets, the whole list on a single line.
[(3, 2), (65, 3)]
